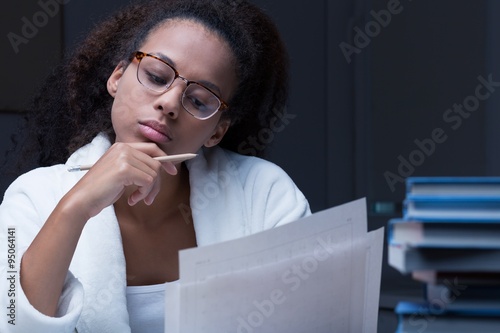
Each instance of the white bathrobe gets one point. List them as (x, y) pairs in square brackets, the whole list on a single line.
[(231, 196)]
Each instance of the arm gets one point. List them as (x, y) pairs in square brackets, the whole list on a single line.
[(26, 204), (45, 264)]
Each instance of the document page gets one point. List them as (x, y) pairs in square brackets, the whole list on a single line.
[(313, 275)]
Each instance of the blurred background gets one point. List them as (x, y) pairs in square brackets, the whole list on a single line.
[(380, 90)]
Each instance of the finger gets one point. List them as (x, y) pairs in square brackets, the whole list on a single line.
[(147, 194), (169, 168), (142, 171), (153, 150), (148, 200), (135, 197), (148, 148)]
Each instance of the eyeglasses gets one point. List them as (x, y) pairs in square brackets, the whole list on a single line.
[(157, 75)]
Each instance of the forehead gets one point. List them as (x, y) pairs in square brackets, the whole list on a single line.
[(175, 34), (198, 53)]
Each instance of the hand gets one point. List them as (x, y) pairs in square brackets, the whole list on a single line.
[(122, 166)]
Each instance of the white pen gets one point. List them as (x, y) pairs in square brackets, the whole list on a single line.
[(170, 158)]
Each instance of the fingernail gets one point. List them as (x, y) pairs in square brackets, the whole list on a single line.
[(170, 168)]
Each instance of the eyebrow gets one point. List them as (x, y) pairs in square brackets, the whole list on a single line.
[(207, 84)]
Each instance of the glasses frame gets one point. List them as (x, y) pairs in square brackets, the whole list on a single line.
[(141, 55)]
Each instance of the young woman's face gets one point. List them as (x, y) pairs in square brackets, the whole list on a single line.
[(142, 115)]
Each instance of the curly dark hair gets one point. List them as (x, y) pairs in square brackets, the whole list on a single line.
[(74, 105)]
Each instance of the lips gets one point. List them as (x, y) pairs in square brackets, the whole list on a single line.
[(155, 131)]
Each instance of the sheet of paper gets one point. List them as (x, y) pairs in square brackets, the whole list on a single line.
[(310, 275)]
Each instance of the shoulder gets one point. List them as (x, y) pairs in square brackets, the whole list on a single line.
[(56, 178), (32, 196), (43, 187), (248, 169), (266, 193), (273, 198), (40, 187), (40, 180)]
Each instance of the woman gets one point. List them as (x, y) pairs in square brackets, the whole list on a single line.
[(162, 78)]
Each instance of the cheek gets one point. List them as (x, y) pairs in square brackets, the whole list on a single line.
[(128, 96), (122, 114), (194, 132)]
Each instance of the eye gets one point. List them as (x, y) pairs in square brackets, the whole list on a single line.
[(199, 101), (156, 79), (195, 102)]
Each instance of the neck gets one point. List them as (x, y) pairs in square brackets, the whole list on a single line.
[(174, 195)]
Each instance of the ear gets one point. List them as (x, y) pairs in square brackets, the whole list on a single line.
[(219, 132), (114, 79)]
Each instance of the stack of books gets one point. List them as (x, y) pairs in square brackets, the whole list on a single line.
[(449, 240)]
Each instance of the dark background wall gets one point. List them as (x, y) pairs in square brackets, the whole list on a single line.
[(306, 146), (354, 121), (425, 63)]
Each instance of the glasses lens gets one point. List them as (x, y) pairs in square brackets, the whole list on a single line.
[(154, 74), (199, 101)]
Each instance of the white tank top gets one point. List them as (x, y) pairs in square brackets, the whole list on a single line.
[(146, 308)]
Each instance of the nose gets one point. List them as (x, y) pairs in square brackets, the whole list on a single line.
[(170, 101)]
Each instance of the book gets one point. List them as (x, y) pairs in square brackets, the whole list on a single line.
[(445, 233), (467, 278), (432, 317), (449, 239), (453, 186), (452, 294), (424, 208), (406, 259)]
